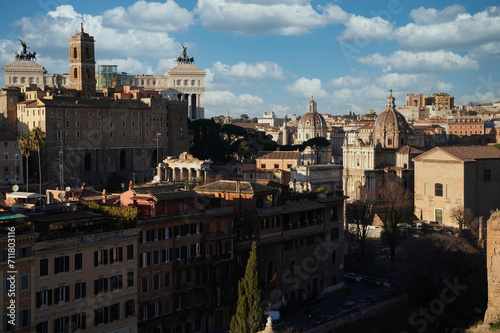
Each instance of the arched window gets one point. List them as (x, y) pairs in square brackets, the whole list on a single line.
[(87, 73), (75, 53), (75, 73), (87, 162), (87, 53)]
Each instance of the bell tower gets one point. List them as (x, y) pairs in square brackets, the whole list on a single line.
[(82, 63)]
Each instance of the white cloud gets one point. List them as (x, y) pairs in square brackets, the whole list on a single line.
[(48, 35), (430, 16), (413, 82), (265, 70), (463, 32), (489, 51), (350, 81), (307, 88), (266, 17), (219, 102), (486, 97), (420, 62), (152, 16), (360, 30)]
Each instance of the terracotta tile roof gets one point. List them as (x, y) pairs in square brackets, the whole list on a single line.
[(231, 186), (467, 153), (473, 152), (281, 155)]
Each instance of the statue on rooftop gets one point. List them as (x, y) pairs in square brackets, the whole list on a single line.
[(25, 55), (184, 59)]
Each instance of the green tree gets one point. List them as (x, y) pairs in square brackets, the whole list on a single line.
[(249, 317), (37, 140), (25, 147), (316, 145)]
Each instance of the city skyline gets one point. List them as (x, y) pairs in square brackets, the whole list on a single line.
[(263, 56)]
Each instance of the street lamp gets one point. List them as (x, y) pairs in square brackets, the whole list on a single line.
[(16, 156)]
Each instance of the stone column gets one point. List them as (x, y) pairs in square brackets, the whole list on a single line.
[(198, 173), (493, 268), (174, 178), (190, 173)]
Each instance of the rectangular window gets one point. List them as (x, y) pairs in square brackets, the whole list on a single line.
[(61, 294), (100, 257), (438, 190), (156, 257), (25, 282), (114, 312), (61, 324), (101, 316), (79, 290), (44, 267), (116, 282), (130, 279), (129, 308), (44, 298), (144, 285), (42, 327), (145, 259), (438, 215), (130, 251), (78, 261), (79, 321), (156, 282), (116, 254), (167, 279), (25, 319), (100, 285), (487, 175)]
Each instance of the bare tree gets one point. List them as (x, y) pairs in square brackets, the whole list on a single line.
[(463, 216), (359, 212), (397, 202)]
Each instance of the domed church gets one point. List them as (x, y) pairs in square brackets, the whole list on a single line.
[(383, 157), (311, 125)]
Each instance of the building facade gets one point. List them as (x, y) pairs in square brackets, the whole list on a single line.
[(448, 178)]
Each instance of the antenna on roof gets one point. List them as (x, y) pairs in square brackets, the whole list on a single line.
[(81, 23)]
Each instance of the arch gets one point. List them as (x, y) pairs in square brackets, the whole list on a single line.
[(123, 160), (219, 320), (87, 73), (87, 52), (75, 73), (75, 52)]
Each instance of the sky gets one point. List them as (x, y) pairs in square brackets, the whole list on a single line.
[(274, 55)]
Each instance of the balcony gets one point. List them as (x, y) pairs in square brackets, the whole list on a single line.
[(219, 211), (212, 235), (313, 229)]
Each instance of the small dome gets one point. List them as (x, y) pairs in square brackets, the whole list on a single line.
[(391, 128), (312, 118)]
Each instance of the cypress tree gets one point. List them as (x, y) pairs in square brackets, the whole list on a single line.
[(249, 317)]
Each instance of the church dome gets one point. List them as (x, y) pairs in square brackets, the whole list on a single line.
[(311, 124), (312, 119), (391, 128)]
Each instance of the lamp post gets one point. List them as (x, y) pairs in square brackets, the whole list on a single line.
[(16, 156)]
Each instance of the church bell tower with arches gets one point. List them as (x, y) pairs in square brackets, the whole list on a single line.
[(82, 63)]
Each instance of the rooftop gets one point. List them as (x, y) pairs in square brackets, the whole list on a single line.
[(235, 187)]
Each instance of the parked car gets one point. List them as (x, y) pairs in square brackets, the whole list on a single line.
[(353, 277)]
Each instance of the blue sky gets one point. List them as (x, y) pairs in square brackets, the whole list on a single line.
[(273, 55)]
